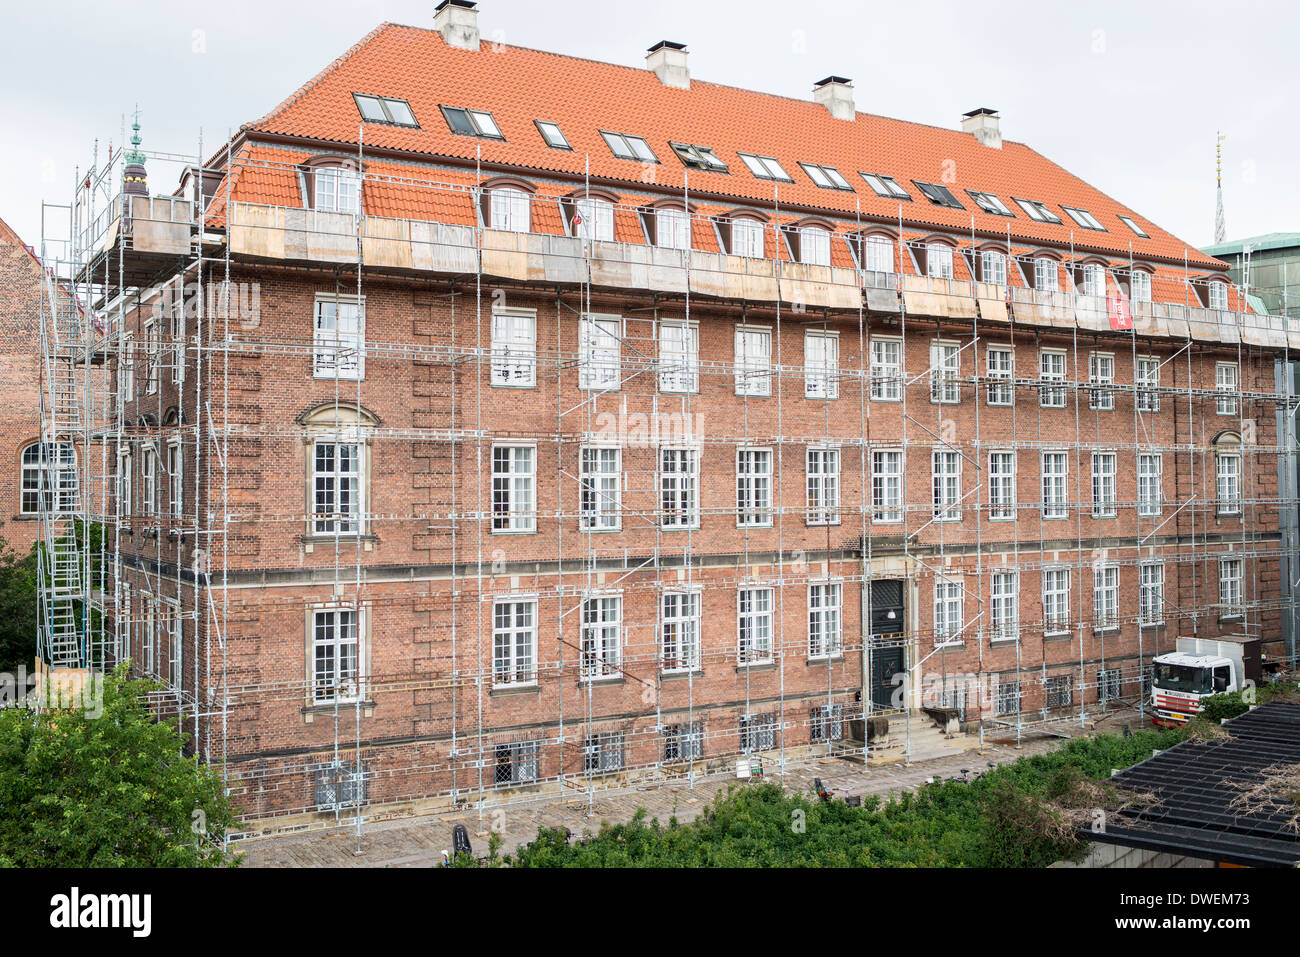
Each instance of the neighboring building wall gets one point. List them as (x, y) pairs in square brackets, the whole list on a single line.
[(20, 292)]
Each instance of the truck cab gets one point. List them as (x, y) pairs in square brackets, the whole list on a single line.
[(1200, 668)]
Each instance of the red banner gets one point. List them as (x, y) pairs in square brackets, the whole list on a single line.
[(1120, 317)]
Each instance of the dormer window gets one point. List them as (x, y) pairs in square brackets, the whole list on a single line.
[(669, 227), (1218, 296), (938, 260), (509, 209), (743, 236), (876, 254), (1139, 284), (993, 267), (765, 167), (1037, 211), (1129, 222), (1046, 275), (826, 177), (989, 203), (592, 217), (336, 189), (383, 109), (887, 187), (464, 122), (1094, 279), (553, 135), (810, 244), (1084, 218), (939, 195), (699, 157), (628, 147)]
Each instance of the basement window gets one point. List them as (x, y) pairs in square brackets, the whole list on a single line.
[(989, 203), (1131, 224), (826, 177), (886, 186), (1084, 218), (1037, 211), (553, 135), (383, 109), (699, 157), (472, 123), (939, 195), (629, 147), (765, 167)]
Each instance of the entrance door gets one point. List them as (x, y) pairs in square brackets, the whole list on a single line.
[(887, 659)]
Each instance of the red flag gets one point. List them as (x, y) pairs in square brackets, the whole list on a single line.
[(1120, 317)]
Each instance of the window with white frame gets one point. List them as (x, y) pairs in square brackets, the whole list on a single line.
[(602, 752), (48, 478), (679, 488), (127, 365), (1101, 377), (824, 619), (938, 260), (886, 369), (125, 474), (1056, 501), (149, 638), (600, 483), (754, 625), (151, 357), (1150, 484), (821, 364), (1001, 370), (887, 485), (1148, 381), (753, 487), (823, 484), (753, 360), (602, 627), (514, 347), (1046, 275), (337, 189), (946, 474), (1227, 469), (340, 338), (747, 238), (815, 246), (948, 605), (177, 347), (514, 470), (1230, 605), (1151, 593), (1218, 297), (593, 219), (672, 228), (1094, 280), (1105, 596), (878, 254), (1225, 381), (175, 641), (336, 655), (1140, 286), (1051, 369), (510, 209), (337, 487), (599, 342), (1103, 484), (679, 357), (993, 267), (945, 367), (1006, 606), (514, 642), (149, 479), (684, 742), (1056, 600), (175, 479), (1002, 485), (680, 634)]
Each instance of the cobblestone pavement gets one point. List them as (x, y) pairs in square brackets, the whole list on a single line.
[(420, 841)]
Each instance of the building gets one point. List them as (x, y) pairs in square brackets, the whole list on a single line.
[(468, 439), (1267, 267)]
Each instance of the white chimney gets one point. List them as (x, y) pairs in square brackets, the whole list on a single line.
[(668, 61), (984, 124), (836, 94), (457, 21)]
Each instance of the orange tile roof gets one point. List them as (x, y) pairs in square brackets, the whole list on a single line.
[(519, 85)]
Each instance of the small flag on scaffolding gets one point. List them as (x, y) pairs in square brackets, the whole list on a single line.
[(577, 220), (1120, 316)]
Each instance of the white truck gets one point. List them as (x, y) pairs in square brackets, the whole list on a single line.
[(1199, 668)]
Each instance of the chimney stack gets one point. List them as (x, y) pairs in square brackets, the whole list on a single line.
[(836, 94), (984, 124), (457, 21), (668, 61)]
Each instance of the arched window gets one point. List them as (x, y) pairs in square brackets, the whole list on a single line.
[(509, 210), (336, 189), (591, 216), (1227, 471), (337, 469), (49, 478)]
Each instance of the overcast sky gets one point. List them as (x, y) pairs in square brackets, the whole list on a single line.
[(1128, 95)]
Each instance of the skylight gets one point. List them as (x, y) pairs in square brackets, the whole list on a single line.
[(939, 195), (553, 135), (886, 186), (765, 167), (1128, 221), (1037, 211), (827, 177), (1084, 218), (989, 203), (383, 109), (472, 123), (629, 147), (699, 157)]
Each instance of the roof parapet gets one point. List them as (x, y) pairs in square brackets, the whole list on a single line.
[(457, 21), (985, 125), (836, 94), (668, 61)]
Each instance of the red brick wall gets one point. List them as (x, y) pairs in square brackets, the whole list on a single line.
[(20, 291)]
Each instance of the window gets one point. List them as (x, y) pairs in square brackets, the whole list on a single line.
[(1108, 684), (151, 357), (471, 123), (1006, 612), (1148, 380), (514, 347), (1060, 691), (938, 260), (945, 366), (1227, 469), (125, 473), (602, 753), (826, 723), (821, 364), (1101, 376), (1151, 593), (886, 186), (827, 177), (1046, 275), (877, 254), (1056, 600), (1150, 485), (823, 475), (765, 167), (513, 502), (758, 732), (747, 238), (593, 218), (939, 195), (599, 342), (336, 488), (175, 479), (516, 763), (684, 742), (336, 655), (887, 486), (1037, 211), (1051, 368), (679, 488), (1225, 381), (1055, 497), (946, 472), (1001, 370), (753, 360), (1105, 596), (754, 625), (1140, 286), (753, 487), (886, 369), (384, 109), (1218, 296), (1132, 224), (127, 366), (176, 349), (672, 228), (824, 619), (679, 357), (553, 135), (1230, 588), (1008, 698), (601, 489), (149, 640), (514, 642), (336, 189), (1002, 485), (993, 267), (681, 631), (948, 619), (149, 480), (1084, 218), (699, 157), (990, 203), (49, 478), (509, 209), (814, 246), (602, 624), (629, 147), (1094, 280), (340, 338)]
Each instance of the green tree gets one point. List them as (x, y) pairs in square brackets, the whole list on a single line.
[(19, 600), (107, 784)]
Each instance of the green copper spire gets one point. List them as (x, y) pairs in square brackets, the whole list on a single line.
[(134, 155)]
